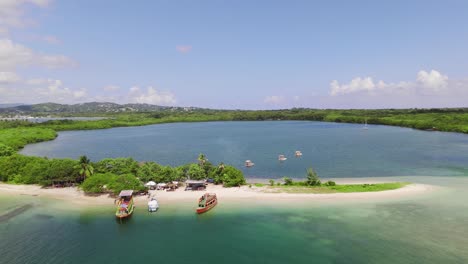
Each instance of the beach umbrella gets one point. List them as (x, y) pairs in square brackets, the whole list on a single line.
[(150, 183)]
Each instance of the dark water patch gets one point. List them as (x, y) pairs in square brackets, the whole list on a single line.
[(15, 212), (43, 216)]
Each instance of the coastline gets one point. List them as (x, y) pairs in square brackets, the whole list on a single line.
[(76, 197)]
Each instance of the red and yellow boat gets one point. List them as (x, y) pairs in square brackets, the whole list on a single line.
[(206, 202)]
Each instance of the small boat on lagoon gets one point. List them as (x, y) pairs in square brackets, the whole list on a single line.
[(125, 204), (298, 153), (206, 202), (249, 163), (282, 158)]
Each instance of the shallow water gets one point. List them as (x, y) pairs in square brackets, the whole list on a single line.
[(334, 150), (427, 228)]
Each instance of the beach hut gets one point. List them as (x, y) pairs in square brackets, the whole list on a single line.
[(192, 185), (161, 186)]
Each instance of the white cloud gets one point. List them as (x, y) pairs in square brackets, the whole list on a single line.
[(41, 90), (151, 96), (13, 55), (273, 99), (356, 85), (111, 88), (8, 77), (12, 13), (56, 92), (184, 48), (432, 82)]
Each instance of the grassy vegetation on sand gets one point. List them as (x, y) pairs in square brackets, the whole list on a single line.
[(342, 188)]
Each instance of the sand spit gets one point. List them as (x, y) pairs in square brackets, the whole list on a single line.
[(77, 197)]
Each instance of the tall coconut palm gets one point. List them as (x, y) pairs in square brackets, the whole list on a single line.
[(221, 166), (86, 169), (202, 159)]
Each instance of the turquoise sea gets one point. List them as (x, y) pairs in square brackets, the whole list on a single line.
[(425, 228)]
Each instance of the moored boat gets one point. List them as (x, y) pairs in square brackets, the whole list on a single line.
[(249, 163), (125, 204), (298, 153), (282, 158), (206, 202)]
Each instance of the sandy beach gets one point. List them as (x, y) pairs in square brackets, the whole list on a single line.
[(79, 198)]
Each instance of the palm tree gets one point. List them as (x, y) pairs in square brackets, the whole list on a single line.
[(221, 166), (201, 159), (85, 167)]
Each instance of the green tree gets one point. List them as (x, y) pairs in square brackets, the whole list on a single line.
[(232, 177), (195, 172), (98, 183), (61, 170), (272, 182), (117, 166), (125, 182), (312, 178), (85, 167), (149, 171), (202, 159)]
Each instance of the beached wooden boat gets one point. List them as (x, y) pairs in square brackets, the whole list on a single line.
[(125, 204), (206, 202)]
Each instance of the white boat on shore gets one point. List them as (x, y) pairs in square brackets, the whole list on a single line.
[(153, 205)]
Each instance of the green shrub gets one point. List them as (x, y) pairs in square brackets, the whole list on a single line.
[(312, 178), (287, 181), (330, 183), (5, 150)]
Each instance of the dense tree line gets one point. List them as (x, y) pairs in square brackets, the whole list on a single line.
[(108, 175)]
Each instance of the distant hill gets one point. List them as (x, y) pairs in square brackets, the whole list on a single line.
[(9, 105), (93, 107)]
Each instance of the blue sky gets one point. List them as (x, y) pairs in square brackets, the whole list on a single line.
[(236, 54)]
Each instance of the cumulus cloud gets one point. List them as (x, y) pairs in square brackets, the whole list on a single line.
[(13, 55), (427, 83), (151, 96), (433, 80), (273, 99), (55, 91), (184, 48), (8, 77), (41, 90)]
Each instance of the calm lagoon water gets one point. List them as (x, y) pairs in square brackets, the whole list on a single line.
[(334, 150), (427, 228)]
